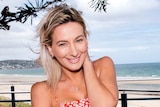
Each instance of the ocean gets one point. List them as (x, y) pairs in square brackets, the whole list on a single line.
[(138, 70), (123, 71)]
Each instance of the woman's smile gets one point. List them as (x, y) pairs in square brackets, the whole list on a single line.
[(69, 45), (74, 60)]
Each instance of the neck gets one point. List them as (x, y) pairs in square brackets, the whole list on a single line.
[(73, 76)]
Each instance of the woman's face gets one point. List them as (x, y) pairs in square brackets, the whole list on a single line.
[(69, 45)]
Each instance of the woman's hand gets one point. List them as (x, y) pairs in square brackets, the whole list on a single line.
[(87, 63)]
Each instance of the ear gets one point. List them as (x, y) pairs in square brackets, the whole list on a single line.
[(50, 50)]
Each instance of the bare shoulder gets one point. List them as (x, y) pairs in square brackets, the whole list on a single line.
[(104, 62), (40, 92), (106, 73), (39, 86), (40, 89)]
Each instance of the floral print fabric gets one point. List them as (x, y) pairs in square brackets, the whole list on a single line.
[(78, 103)]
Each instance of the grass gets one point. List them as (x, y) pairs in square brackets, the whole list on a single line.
[(8, 104)]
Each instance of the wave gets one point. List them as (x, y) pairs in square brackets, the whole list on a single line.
[(137, 78)]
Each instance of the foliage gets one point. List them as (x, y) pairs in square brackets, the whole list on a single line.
[(8, 104), (23, 13), (99, 5), (30, 10)]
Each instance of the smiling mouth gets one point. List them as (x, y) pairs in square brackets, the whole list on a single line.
[(75, 60)]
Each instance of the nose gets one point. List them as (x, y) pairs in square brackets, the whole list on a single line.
[(73, 50)]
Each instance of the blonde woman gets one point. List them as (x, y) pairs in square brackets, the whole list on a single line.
[(73, 79)]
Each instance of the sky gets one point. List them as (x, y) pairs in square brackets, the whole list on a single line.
[(129, 32)]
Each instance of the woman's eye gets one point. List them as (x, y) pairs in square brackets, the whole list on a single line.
[(62, 44), (79, 40)]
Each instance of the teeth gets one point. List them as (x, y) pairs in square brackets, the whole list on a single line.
[(74, 60)]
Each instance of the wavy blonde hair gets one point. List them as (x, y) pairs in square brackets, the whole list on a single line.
[(55, 17)]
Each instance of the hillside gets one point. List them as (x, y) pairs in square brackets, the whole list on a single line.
[(17, 64)]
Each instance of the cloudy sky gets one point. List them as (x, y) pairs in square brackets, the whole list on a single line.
[(129, 32)]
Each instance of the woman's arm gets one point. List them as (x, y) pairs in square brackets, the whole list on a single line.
[(101, 83)]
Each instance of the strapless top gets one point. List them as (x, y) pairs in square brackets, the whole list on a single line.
[(78, 103)]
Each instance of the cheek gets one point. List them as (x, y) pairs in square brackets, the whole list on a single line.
[(84, 48), (60, 52)]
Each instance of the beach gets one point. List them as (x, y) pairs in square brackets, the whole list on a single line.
[(24, 83), (147, 85)]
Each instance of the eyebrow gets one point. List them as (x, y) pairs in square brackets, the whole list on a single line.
[(79, 36), (61, 41)]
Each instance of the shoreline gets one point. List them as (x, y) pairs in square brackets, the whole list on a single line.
[(119, 79), (24, 84)]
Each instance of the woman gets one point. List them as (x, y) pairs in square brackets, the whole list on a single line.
[(73, 79)]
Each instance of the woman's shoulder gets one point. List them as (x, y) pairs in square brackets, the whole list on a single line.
[(41, 95), (104, 61), (39, 84), (39, 87), (104, 64)]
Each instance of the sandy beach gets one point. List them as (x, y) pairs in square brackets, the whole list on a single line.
[(141, 84), (24, 83)]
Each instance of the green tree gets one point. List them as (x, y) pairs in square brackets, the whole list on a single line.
[(29, 10)]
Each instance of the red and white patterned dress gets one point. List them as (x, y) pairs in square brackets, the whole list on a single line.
[(78, 103)]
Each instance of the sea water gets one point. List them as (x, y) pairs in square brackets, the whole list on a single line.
[(138, 71), (29, 72), (123, 71), (141, 71)]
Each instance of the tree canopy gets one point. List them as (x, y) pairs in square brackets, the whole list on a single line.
[(29, 10)]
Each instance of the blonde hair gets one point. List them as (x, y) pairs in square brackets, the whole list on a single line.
[(58, 15)]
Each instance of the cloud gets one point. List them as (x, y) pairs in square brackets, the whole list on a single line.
[(17, 53), (138, 48), (128, 32), (104, 50), (120, 13), (129, 7), (13, 4)]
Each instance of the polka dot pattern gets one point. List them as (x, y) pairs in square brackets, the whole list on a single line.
[(78, 103)]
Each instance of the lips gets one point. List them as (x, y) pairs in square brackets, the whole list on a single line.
[(75, 60)]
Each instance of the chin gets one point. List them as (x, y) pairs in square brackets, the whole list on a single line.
[(75, 69)]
